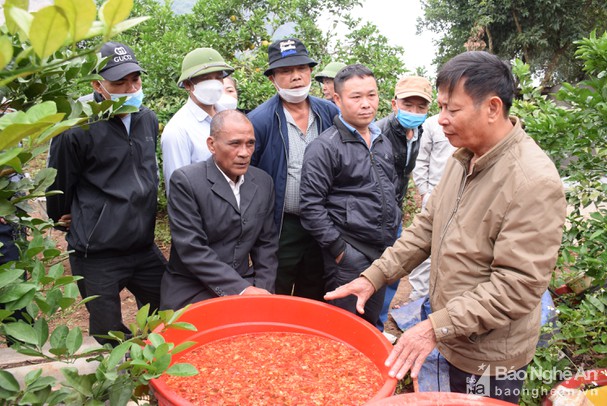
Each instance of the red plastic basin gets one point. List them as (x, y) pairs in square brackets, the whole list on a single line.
[(234, 315), (438, 399), (592, 377)]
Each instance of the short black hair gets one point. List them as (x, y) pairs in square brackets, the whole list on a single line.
[(485, 74), (349, 72)]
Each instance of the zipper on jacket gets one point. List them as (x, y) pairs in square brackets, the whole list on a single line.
[(88, 237), (284, 197), (381, 188), (134, 120), (452, 215)]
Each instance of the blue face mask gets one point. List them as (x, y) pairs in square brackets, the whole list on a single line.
[(410, 120), (133, 99)]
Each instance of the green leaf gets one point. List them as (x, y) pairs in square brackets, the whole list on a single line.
[(114, 11), (182, 370), (73, 340), (183, 346), (58, 128), (6, 51), (43, 180), (600, 348), (80, 15), (22, 332), (117, 355), (82, 384), (156, 339), (16, 292), (161, 363), (41, 383), (142, 315), (8, 276), (127, 25), (58, 336), (31, 376), (49, 31), (596, 303), (121, 394), (41, 328), (17, 17), (40, 111), (14, 133), (8, 381), (182, 325)]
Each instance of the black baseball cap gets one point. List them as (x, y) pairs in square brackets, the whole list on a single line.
[(287, 52), (121, 61)]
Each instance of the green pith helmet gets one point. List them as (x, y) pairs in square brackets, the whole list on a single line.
[(329, 71), (201, 61)]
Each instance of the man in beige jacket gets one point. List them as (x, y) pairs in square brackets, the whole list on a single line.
[(493, 229)]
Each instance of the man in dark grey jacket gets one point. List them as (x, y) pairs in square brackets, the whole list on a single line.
[(109, 179), (222, 221), (348, 200)]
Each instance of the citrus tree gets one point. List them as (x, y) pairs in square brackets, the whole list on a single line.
[(44, 57), (241, 30), (573, 130)]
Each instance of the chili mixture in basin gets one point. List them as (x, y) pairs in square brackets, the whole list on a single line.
[(278, 368)]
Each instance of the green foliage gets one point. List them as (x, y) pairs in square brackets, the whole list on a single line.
[(573, 131), (241, 32), (44, 60), (541, 33)]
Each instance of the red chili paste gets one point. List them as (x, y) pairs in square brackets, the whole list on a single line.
[(278, 368)]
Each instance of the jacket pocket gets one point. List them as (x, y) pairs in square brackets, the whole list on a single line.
[(96, 225)]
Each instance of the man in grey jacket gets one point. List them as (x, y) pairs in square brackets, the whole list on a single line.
[(221, 213), (348, 198)]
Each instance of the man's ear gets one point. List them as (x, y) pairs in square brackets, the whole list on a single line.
[(394, 106), (337, 100), (211, 144), (97, 86), (495, 108)]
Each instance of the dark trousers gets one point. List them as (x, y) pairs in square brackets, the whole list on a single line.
[(9, 252), (352, 264), (140, 273), (507, 388), (300, 266)]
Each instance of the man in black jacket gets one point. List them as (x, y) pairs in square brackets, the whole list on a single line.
[(348, 201), (403, 127), (109, 179)]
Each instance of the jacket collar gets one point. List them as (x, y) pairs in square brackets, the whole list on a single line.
[(221, 188), (516, 134)]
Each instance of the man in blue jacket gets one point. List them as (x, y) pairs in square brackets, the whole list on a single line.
[(109, 178), (284, 126)]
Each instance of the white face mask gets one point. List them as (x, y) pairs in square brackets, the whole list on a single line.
[(294, 95), (228, 102), (208, 92)]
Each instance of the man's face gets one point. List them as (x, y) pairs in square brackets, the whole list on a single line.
[(131, 83), (233, 147), (463, 122), (229, 88), (328, 89), (291, 77), (413, 104), (358, 101)]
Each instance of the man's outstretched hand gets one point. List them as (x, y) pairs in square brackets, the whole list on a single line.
[(411, 350), (359, 287)]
